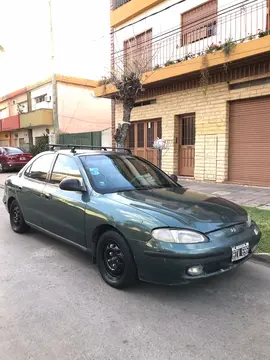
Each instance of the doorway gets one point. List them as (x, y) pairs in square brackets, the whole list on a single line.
[(187, 145)]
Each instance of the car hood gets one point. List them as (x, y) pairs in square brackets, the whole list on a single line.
[(179, 207)]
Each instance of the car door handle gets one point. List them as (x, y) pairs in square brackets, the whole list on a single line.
[(48, 196)]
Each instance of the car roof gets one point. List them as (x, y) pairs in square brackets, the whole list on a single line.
[(81, 152)]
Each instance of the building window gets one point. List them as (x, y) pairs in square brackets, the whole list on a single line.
[(188, 130), (40, 98), (140, 135), (150, 134), (131, 137), (199, 23), (138, 53), (118, 3)]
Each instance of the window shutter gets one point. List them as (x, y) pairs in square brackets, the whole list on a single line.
[(138, 52), (196, 21)]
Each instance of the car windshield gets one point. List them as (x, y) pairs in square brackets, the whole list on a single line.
[(13, 151), (113, 173)]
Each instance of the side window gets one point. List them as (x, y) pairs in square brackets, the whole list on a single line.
[(65, 167), (40, 167)]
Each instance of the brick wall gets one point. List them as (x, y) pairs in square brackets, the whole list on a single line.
[(212, 125)]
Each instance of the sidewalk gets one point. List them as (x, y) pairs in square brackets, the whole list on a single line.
[(242, 195)]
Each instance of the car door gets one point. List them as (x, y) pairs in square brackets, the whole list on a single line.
[(65, 210), (30, 191)]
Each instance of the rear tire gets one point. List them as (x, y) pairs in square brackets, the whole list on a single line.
[(115, 261), (17, 222)]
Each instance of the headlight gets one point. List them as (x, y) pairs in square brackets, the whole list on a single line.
[(178, 236), (249, 222)]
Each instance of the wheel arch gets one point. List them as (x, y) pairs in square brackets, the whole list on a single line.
[(10, 201), (98, 232)]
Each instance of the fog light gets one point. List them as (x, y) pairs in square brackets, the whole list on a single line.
[(195, 270)]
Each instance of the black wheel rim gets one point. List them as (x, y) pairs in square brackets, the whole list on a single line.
[(114, 260), (16, 216)]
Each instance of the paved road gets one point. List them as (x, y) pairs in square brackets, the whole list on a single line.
[(54, 305)]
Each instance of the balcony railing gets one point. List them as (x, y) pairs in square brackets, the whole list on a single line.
[(235, 24), (118, 3)]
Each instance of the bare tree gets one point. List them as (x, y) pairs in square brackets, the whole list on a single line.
[(126, 77)]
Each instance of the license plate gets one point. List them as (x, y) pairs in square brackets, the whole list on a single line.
[(240, 251), (22, 158)]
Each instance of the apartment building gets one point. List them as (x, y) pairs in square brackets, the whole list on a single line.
[(206, 84), (26, 114)]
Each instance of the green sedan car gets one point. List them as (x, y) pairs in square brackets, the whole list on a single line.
[(135, 221)]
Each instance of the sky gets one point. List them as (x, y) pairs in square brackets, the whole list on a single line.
[(81, 40)]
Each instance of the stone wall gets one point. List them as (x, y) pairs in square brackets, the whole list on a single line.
[(212, 125)]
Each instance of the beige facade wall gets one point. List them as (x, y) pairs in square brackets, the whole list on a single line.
[(80, 111), (212, 125)]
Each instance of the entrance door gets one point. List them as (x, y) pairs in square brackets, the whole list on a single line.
[(187, 145), (142, 135)]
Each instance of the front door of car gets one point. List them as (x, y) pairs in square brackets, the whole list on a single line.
[(30, 190), (65, 210)]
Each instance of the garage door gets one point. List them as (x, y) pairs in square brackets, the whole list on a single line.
[(249, 142)]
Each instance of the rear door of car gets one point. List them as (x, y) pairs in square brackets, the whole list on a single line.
[(65, 210), (30, 191)]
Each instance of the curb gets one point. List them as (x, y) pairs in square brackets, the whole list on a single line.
[(262, 257)]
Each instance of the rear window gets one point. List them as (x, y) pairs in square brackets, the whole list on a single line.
[(13, 151)]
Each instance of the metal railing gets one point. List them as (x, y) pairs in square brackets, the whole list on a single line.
[(118, 3), (238, 23)]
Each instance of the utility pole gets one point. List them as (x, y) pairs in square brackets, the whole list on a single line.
[(54, 80)]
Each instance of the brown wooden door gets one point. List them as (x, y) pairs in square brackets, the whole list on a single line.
[(187, 145), (249, 141), (142, 135)]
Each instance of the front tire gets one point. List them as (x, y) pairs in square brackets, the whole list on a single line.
[(115, 261), (1, 168), (17, 222)]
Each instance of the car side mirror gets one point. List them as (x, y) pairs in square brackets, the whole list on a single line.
[(174, 177), (70, 185)]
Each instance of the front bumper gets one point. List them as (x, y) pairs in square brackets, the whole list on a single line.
[(167, 264)]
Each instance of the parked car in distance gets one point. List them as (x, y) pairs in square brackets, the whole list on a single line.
[(12, 158), (134, 220)]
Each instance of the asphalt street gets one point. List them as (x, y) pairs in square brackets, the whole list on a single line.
[(55, 306)]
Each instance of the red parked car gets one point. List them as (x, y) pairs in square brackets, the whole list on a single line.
[(13, 158)]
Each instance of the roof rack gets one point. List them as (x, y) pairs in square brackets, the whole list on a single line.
[(90, 147)]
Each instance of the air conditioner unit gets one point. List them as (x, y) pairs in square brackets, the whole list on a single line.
[(48, 98)]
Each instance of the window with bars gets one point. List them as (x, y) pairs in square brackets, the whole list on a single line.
[(140, 135), (131, 137), (188, 130), (150, 134), (118, 3), (138, 52), (159, 129), (199, 23)]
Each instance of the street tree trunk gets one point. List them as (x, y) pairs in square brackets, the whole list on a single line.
[(125, 126)]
